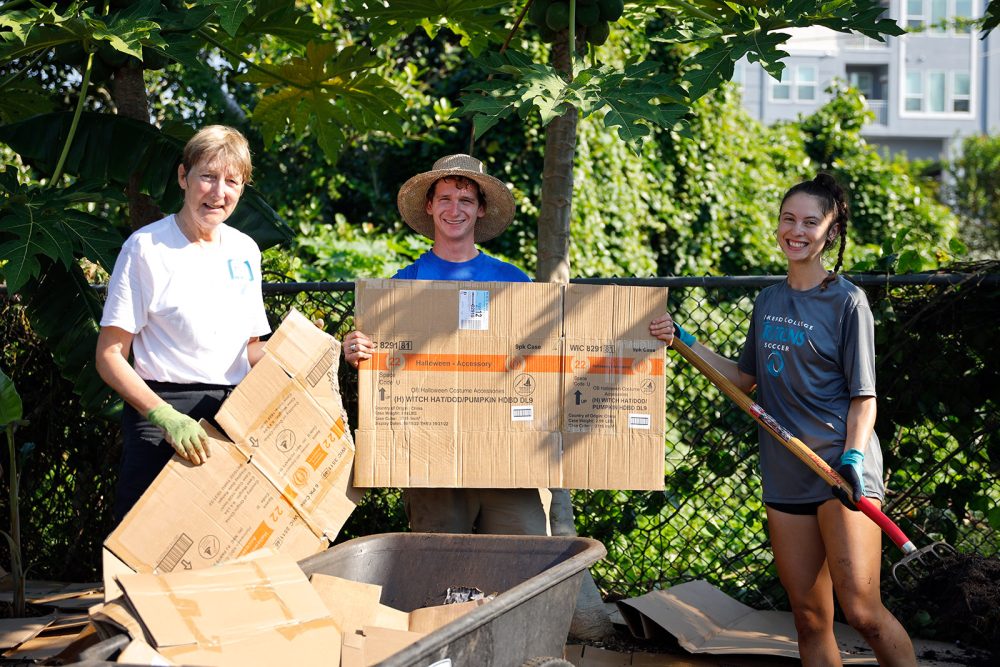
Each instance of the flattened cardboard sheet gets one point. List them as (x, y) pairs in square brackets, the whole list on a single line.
[(510, 385), (256, 610), (706, 620)]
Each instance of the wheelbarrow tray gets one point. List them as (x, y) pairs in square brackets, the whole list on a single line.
[(537, 580)]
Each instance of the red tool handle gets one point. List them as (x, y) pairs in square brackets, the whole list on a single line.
[(796, 446)]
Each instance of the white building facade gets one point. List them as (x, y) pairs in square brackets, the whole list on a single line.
[(927, 89)]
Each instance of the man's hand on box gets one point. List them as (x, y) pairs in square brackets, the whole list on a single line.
[(357, 348), (184, 434)]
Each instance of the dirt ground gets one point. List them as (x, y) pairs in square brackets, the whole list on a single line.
[(960, 601)]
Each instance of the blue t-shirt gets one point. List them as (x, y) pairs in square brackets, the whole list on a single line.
[(482, 268)]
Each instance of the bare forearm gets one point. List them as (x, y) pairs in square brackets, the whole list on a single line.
[(255, 351), (113, 346), (860, 422)]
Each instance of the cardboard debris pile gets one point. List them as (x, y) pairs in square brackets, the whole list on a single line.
[(42, 637), (506, 385), (187, 617)]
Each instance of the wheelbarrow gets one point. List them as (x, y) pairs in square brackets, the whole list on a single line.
[(537, 580)]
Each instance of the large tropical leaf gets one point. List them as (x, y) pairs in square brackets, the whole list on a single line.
[(109, 148), (11, 409), (328, 92), (65, 311), (475, 21), (634, 97)]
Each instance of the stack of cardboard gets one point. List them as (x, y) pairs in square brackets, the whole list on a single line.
[(283, 481), (260, 609)]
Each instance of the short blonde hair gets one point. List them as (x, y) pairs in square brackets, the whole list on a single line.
[(219, 143)]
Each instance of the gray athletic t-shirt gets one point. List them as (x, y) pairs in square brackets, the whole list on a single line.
[(811, 352)]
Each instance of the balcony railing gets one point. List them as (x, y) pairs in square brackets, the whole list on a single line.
[(881, 110), (862, 42)]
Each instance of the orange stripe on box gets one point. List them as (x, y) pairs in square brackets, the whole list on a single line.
[(258, 539), (289, 493), (316, 456), (465, 363)]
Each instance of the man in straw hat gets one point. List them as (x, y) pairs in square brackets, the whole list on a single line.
[(457, 204)]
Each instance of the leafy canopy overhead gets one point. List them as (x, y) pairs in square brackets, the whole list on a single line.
[(646, 92)]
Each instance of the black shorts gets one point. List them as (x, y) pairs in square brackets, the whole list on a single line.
[(801, 509)]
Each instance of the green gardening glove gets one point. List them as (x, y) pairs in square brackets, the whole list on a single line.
[(186, 435)]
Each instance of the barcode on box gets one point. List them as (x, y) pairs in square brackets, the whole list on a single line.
[(522, 413), (639, 421), (175, 553), (474, 310), (322, 366)]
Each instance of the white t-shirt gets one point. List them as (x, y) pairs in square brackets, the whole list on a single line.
[(192, 308)]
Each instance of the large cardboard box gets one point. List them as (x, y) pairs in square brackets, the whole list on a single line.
[(507, 385), (282, 482)]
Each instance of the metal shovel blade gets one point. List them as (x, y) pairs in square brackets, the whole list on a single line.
[(914, 567)]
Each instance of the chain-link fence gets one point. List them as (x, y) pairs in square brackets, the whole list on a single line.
[(941, 446), (939, 422)]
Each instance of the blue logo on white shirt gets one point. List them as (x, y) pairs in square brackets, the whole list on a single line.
[(240, 270)]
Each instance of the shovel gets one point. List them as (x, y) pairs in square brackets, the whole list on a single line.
[(915, 562)]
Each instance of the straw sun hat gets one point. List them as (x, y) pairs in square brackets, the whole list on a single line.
[(412, 198)]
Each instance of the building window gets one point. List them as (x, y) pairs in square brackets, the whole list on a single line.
[(963, 10), (864, 82), (935, 92), (939, 17), (914, 91), (938, 92), (797, 84), (961, 95), (915, 14)]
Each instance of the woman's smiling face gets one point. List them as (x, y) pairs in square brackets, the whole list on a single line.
[(804, 230)]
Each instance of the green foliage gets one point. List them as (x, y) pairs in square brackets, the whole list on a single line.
[(11, 408), (11, 411), (328, 90), (474, 21), (723, 32), (974, 193)]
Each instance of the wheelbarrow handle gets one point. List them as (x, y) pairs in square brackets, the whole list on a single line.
[(796, 446)]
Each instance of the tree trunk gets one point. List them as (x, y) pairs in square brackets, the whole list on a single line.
[(590, 619), (557, 186), (128, 90)]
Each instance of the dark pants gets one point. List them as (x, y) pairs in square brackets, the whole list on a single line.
[(486, 511), (145, 451)]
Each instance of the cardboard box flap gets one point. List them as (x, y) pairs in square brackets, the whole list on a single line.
[(315, 643), (230, 602), (196, 516), (458, 308), (353, 605), (587, 308), (706, 620), (372, 645)]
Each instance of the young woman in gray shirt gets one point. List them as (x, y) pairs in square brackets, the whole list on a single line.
[(810, 354)]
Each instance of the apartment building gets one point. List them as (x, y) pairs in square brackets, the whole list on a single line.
[(927, 89)]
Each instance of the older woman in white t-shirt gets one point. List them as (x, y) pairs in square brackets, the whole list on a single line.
[(185, 300)]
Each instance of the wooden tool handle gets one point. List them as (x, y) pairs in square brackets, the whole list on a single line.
[(796, 446)]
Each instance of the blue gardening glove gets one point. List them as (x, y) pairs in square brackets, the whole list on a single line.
[(685, 337), (184, 434), (852, 470)]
